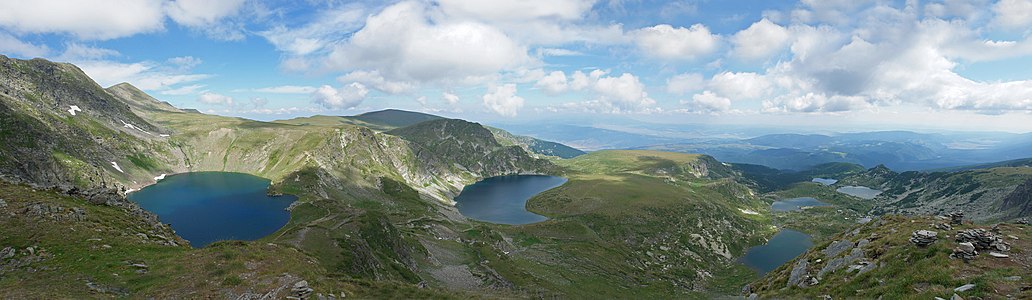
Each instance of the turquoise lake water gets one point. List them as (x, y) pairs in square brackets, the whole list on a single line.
[(503, 199), (796, 204), (206, 207), (785, 246)]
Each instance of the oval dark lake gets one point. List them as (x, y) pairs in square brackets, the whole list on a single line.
[(503, 199), (785, 246), (796, 204), (206, 207)]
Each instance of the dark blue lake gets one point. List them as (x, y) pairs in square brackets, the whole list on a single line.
[(503, 199), (206, 207), (785, 246), (796, 204)]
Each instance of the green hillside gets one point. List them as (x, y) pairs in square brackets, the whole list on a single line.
[(981, 193), (375, 211), (376, 216)]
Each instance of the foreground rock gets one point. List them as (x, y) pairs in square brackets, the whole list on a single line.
[(983, 239), (965, 251), (923, 238), (956, 218)]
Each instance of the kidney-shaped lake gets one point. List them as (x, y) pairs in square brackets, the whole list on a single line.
[(206, 207), (785, 246), (503, 199)]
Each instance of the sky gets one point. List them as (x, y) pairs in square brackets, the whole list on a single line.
[(943, 64)]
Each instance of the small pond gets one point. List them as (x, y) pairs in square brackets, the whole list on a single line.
[(503, 199), (825, 181), (796, 204), (206, 207), (785, 246), (862, 192)]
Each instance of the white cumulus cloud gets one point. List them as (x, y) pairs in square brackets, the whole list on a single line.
[(451, 99), (684, 83), (666, 42), (215, 99), (402, 43), (12, 45), (760, 40), (348, 96), (553, 83), (709, 102), (1014, 13), (502, 100), (99, 19)]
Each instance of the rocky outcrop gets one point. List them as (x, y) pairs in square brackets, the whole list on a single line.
[(965, 251), (982, 239), (11, 259), (798, 275), (1019, 201), (923, 238), (956, 218), (55, 212)]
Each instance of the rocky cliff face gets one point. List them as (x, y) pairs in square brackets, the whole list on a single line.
[(1019, 202), (61, 128), (461, 147), (983, 194)]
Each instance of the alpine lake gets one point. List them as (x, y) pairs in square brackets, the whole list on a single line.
[(206, 207)]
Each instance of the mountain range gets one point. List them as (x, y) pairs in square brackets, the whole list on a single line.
[(376, 217)]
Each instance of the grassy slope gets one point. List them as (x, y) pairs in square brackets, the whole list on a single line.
[(906, 271), (625, 224), (101, 248)]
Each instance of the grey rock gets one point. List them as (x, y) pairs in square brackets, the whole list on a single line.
[(943, 226), (956, 218), (104, 289), (753, 296), (862, 242), (956, 297), (867, 268), (3, 203), (983, 239), (923, 238), (1012, 278), (301, 289), (832, 266), (836, 248), (841, 262), (965, 251), (798, 272), (964, 288), (998, 255), (8, 252)]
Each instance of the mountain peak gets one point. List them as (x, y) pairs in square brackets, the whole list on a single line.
[(138, 99), (395, 117)]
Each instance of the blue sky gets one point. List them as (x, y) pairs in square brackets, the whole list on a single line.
[(946, 64)]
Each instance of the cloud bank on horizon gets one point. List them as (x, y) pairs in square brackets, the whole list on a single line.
[(681, 60)]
